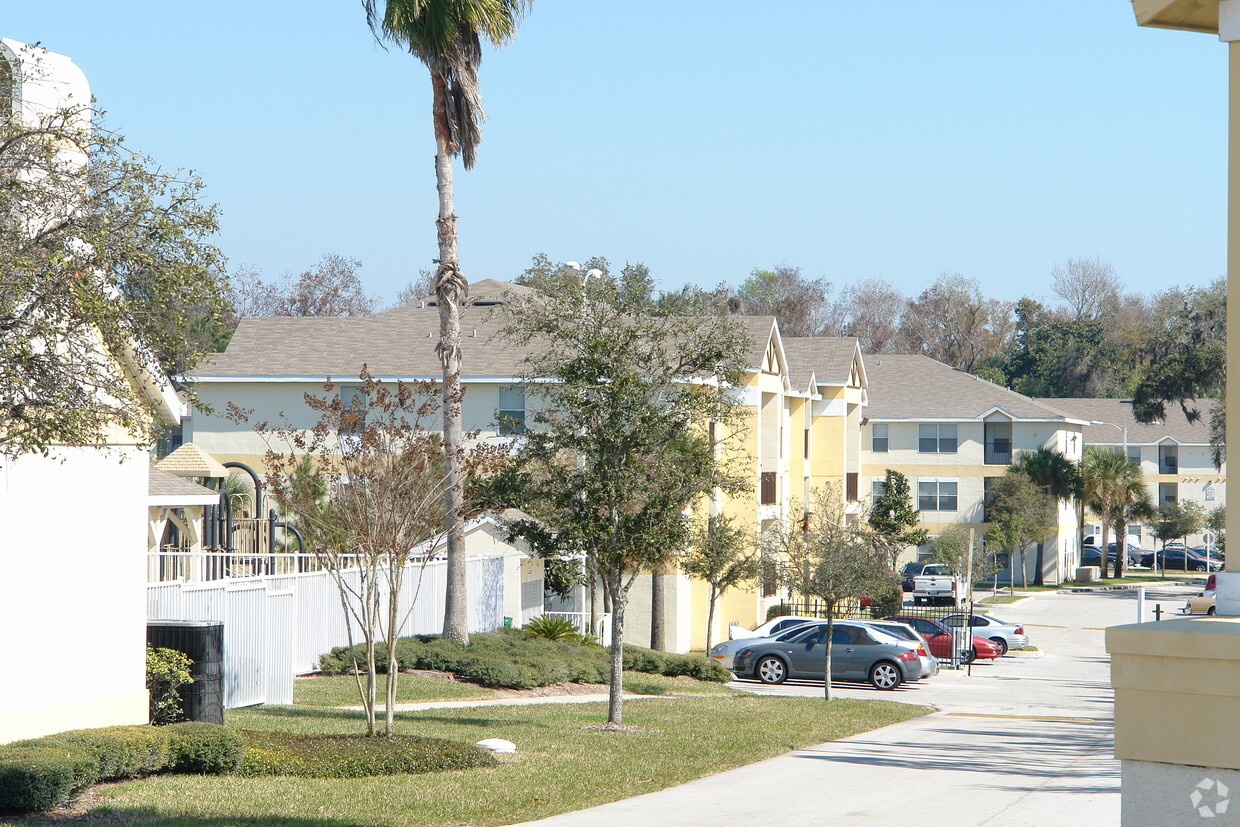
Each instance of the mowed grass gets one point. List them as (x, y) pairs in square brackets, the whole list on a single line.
[(559, 765), (341, 690)]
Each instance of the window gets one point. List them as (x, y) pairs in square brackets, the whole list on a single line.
[(353, 397), (807, 443), (511, 411), (1134, 455), (936, 495), (769, 489), (878, 442), (1168, 459), (936, 439), (876, 489), (1168, 493)]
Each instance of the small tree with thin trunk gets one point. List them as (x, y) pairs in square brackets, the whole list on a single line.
[(894, 517), (831, 556), (952, 549), (365, 485), (724, 556), (618, 448), (1019, 512)]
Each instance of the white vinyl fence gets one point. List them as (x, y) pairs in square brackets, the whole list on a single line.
[(276, 627)]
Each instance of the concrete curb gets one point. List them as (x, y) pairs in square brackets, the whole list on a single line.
[(1017, 602), (1124, 588)]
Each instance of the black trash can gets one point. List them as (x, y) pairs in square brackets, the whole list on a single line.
[(203, 642)]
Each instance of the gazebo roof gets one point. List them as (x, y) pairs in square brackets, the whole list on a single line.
[(191, 461)]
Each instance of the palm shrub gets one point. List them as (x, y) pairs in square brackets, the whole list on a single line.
[(552, 627)]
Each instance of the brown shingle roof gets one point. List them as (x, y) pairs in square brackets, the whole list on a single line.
[(918, 387), (162, 484), (1119, 413), (396, 342), (828, 358)]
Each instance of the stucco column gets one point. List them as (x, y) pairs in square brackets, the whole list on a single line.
[(1228, 595)]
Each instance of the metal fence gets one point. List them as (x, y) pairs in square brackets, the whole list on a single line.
[(277, 626)]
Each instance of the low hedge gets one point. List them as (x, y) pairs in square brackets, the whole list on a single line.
[(355, 756), (46, 772), (513, 659)]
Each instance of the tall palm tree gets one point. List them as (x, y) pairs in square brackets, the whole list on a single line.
[(446, 35), (1103, 475), (1130, 500), (1058, 476)]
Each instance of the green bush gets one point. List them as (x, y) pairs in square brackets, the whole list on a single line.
[(167, 670), (355, 756), (35, 776), (779, 610), (203, 748), (46, 772), (119, 751), (552, 627)]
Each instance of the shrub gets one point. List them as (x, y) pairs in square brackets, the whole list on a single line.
[(35, 775), (552, 627), (203, 748), (355, 756), (119, 751), (167, 670), (46, 772), (779, 610)]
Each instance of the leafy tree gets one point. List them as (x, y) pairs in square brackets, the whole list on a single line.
[(1184, 359), (830, 556), (1058, 476), (800, 304), (330, 288), (894, 517), (1177, 520), (870, 310), (1058, 357), (366, 485), (633, 284), (952, 549), (99, 246), (618, 448), (1019, 512), (1216, 524), (722, 555), (446, 35)]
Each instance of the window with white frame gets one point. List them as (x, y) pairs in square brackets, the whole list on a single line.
[(353, 398), (511, 411), (876, 488), (936, 495), (878, 440), (936, 439)]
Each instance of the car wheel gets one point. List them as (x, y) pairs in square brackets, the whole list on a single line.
[(885, 675), (772, 670), (1210, 610), (1201, 567), (968, 656), (1002, 644)]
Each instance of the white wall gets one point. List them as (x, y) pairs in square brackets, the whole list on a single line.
[(73, 590)]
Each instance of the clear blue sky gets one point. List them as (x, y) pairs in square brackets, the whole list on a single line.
[(702, 137)]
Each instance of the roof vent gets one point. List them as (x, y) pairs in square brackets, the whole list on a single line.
[(474, 333), (428, 334), (421, 304)]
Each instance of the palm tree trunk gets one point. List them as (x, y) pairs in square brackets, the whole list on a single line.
[(450, 289), (1039, 561), (1121, 548)]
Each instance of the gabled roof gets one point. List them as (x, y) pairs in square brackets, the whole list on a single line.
[(827, 360), (1118, 412), (191, 461), (395, 343), (165, 489), (918, 387)]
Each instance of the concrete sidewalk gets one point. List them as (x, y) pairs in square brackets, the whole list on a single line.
[(938, 769)]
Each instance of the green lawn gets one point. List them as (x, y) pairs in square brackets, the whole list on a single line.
[(559, 766), (341, 690)]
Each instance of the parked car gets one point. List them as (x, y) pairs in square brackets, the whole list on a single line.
[(929, 663), (936, 584), (858, 653), (1004, 634), (772, 627), (1179, 559), (1133, 555), (1203, 603), (725, 651), (939, 638)]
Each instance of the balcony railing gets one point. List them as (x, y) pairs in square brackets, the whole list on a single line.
[(999, 452), (1168, 465)]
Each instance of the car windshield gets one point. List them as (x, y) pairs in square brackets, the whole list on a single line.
[(789, 634)]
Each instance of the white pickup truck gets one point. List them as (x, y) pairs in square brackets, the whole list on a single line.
[(936, 584)]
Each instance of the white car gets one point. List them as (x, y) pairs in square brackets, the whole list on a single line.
[(772, 627), (1006, 635)]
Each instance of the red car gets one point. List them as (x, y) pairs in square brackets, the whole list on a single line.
[(940, 639)]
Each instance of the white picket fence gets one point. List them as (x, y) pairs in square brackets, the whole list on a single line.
[(276, 627)]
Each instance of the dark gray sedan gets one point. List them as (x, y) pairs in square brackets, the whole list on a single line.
[(858, 653)]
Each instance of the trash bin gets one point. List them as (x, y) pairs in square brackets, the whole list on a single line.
[(203, 642)]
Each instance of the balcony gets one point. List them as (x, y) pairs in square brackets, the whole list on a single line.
[(1169, 465), (998, 452)]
